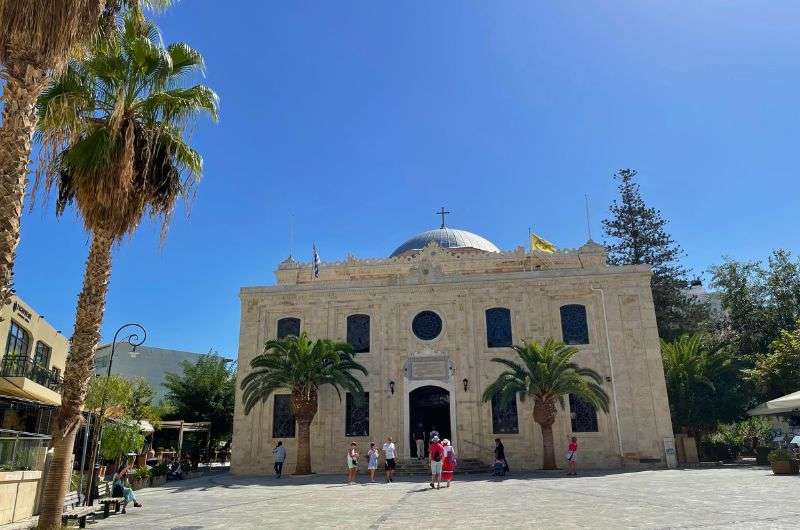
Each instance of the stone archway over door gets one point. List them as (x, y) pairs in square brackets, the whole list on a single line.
[(410, 386), (429, 407)]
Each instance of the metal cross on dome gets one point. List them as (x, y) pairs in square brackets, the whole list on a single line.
[(443, 212)]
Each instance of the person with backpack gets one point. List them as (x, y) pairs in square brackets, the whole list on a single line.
[(449, 462), (280, 457), (436, 455)]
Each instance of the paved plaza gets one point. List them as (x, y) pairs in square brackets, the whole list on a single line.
[(698, 498)]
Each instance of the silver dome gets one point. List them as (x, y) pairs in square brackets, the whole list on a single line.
[(446, 238)]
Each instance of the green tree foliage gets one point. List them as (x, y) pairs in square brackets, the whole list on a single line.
[(203, 392), (120, 438), (546, 374), (637, 235), (759, 300), (108, 392), (141, 406), (703, 383), (777, 372)]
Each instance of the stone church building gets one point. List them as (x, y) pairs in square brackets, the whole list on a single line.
[(426, 322)]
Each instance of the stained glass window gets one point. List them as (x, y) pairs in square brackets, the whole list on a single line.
[(288, 326), (358, 332), (582, 414), (498, 327), (357, 415), (504, 418), (427, 325), (282, 417), (574, 329), (18, 341)]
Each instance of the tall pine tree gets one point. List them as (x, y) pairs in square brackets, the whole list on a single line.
[(637, 235)]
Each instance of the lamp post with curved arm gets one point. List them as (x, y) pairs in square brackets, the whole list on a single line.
[(134, 340)]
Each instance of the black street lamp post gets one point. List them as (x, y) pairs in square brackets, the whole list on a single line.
[(134, 340)]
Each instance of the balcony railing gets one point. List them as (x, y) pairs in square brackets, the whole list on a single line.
[(12, 366)]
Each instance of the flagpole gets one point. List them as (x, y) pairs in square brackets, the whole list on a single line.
[(588, 224)]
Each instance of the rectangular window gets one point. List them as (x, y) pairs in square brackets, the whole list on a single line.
[(504, 418), (582, 414), (41, 357), (357, 415), (282, 418), (498, 327), (18, 342), (288, 327)]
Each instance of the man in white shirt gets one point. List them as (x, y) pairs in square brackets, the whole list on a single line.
[(390, 454)]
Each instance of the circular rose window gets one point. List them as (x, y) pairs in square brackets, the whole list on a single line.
[(427, 325)]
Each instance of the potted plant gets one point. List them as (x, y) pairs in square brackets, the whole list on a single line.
[(782, 462), (141, 478)]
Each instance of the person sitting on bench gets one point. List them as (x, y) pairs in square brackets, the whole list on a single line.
[(119, 489)]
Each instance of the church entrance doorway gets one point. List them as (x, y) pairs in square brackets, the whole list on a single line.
[(429, 409)]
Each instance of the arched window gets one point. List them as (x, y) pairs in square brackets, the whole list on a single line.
[(504, 418), (19, 341), (357, 415), (288, 326), (358, 332), (498, 327), (574, 329), (282, 417), (582, 414)]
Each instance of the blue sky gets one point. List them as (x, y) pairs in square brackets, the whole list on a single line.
[(360, 119)]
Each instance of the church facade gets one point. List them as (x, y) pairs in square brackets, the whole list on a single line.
[(427, 321)]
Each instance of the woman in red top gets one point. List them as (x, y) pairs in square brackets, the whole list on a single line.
[(449, 462), (572, 456)]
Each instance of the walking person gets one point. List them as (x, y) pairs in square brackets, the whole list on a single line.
[(449, 462), (352, 463), (500, 462), (572, 456), (372, 464), (419, 440), (390, 454), (279, 453), (436, 454)]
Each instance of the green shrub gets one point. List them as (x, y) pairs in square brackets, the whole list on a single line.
[(780, 455), (159, 470), (141, 473)]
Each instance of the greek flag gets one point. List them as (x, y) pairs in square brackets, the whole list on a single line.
[(315, 260)]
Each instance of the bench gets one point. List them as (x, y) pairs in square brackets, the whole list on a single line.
[(108, 501), (79, 512)]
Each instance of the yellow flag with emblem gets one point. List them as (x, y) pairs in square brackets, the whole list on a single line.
[(543, 245)]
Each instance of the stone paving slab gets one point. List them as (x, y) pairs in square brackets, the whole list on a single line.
[(697, 498)]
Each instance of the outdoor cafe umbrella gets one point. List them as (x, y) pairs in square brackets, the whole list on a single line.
[(781, 405)]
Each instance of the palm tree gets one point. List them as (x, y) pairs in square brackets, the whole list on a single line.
[(113, 128), (35, 39), (702, 381), (302, 366), (546, 374)]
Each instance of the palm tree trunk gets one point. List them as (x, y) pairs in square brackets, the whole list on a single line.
[(304, 408), (303, 466), (24, 83), (77, 373), (548, 448), (544, 413)]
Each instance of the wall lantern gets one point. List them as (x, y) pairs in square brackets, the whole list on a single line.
[(466, 384), (391, 387)]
